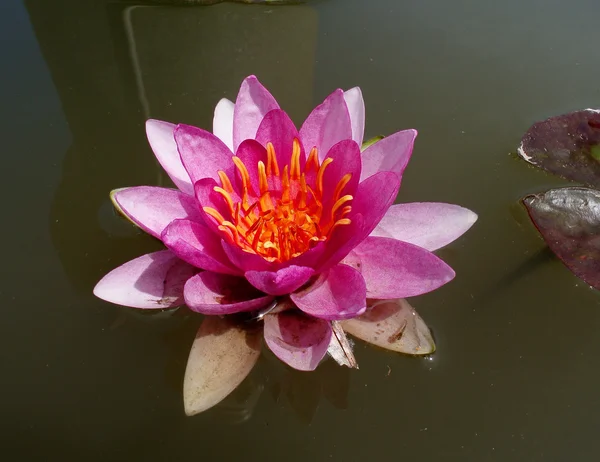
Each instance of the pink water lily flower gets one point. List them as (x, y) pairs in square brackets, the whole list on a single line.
[(267, 215)]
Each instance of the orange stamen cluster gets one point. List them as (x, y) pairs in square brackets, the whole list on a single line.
[(286, 217)]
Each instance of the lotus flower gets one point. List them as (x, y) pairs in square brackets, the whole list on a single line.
[(295, 228)]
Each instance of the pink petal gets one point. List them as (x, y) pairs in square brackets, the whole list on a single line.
[(338, 294), (278, 129), (250, 152), (372, 199), (281, 282), (202, 153), (218, 294), (198, 245), (391, 154), (429, 225), (208, 197), (346, 159), (396, 269), (246, 261), (151, 281), (223, 122), (394, 325), (162, 141), (222, 355), (252, 104), (153, 208), (298, 340), (356, 109), (328, 124)]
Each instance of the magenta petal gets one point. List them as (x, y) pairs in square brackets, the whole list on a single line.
[(151, 281), (223, 122), (328, 124), (198, 245), (250, 152), (281, 282), (202, 153), (278, 129), (391, 154), (218, 294), (162, 141), (373, 198), (298, 340), (396, 269), (246, 261), (429, 225), (153, 208), (338, 294), (356, 109), (252, 104)]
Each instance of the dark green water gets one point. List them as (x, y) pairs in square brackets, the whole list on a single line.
[(516, 374)]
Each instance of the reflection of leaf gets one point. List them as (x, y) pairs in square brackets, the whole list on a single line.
[(394, 325), (371, 141), (567, 145), (222, 355), (339, 347), (569, 221)]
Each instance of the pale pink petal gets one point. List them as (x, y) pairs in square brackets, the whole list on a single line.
[(340, 348), (218, 294), (222, 355), (281, 282), (153, 208), (393, 325), (430, 225), (252, 104), (297, 339), (198, 245), (202, 153), (278, 129), (396, 269), (391, 154), (340, 293), (151, 281), (356, 109), (328, 124), (162, 141), (223, 122)]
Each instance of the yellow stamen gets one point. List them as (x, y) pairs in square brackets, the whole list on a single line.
[(225, 182), (320, 174)]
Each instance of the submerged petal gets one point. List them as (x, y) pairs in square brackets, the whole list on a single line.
[(396, 269), (198, 245), (297, 339), (328, 124), (202, 153), (281, 282), (218, 294), (153, 281), (394, 325), (429, 225), (356, 110), (222, 355), (252, 104), (162, 141), (223, 122), (391, 154), (340, 293), (153, 208)]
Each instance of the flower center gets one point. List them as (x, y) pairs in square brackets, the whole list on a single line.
[(289, 215)]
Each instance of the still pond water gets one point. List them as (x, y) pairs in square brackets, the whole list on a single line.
[(515, 377)]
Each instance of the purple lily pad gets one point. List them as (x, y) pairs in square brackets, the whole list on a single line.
[(569, 221), (567, 145)]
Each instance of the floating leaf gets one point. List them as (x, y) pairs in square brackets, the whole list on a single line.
[(567, 145), (222, 355), (340, 348), (394, 325), (569, 221), (371, 141)]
